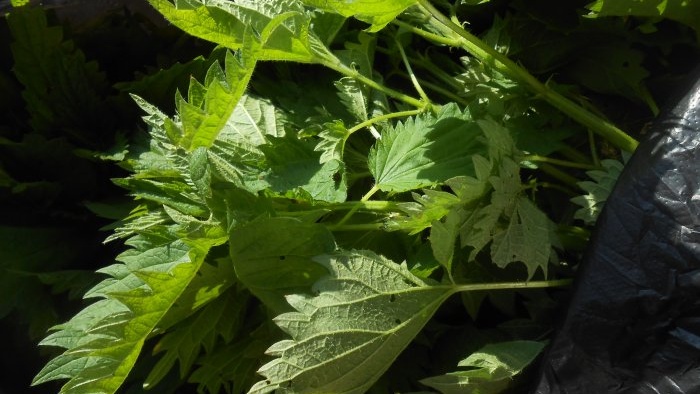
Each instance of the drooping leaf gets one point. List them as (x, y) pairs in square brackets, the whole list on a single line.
[(363, 315), (99, 353), (597, 190), (426, 150), (378, 13), (493, 368)]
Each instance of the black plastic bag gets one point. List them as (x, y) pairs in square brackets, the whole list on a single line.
[(633, 325)]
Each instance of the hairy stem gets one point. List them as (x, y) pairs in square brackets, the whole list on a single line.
[(380, 118), (514, 285), (504, 65), (354, 74), (562, 163), (354, 209)]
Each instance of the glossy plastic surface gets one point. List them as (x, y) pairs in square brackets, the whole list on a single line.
[(633, 325)]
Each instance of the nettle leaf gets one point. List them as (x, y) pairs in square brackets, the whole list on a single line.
[(517, 229), (686, 11), (332, 141), (614, 68), (222, 318), (273, 257), (343, 339), (597, 190), (61, 88), (283, 23), (210, 105), (294, 163), (378, 13), (426, 150), (493, 368), (103, 341)]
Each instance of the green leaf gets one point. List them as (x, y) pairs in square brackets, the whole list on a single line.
[(273, 257), (597, 190), (493, 368), (684, 11), (363, 315), (103, 343), (614, 69), (282, 25), (230, 368), (295, 164), (208, 112), (61, 88), (332, 143), (221, 318), (517, 229), (426, 150), (378, 13)]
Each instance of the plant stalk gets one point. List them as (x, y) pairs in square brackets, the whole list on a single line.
[(504, 65)]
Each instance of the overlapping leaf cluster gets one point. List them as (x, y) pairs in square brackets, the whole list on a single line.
[(342, 210)]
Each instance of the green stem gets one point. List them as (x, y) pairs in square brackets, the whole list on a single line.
[(356, 227), (507, 67), (354, 74), (354, 209), (513, 285), (440, 90), (559, 175), (411, 75), (380, 118), (562, 163), (428, 35)]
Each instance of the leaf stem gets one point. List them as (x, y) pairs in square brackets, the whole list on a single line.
[(513, 285), (559, 175), (411, 75), (562, 163), (380, 118), (356, 227), (354, 74), (354, 209), (504, 65)]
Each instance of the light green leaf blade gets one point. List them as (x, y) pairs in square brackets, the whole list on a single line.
[(343, 339), (103, 344), (378, 13), (201, 124), (332, 141), (426, 150), (494, 367), (283, 25)]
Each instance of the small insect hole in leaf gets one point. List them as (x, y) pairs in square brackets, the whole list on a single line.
[(283, 257), (392, 298), (397, 321)]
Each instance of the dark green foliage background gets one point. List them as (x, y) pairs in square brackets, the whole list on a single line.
[(67, 121)]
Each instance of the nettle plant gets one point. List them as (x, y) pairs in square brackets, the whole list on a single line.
[(300, 222)]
